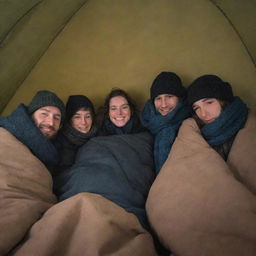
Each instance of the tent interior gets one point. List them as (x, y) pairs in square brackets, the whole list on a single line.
[(89, 47)]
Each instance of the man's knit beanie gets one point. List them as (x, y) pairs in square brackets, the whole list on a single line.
[(167, 83), (76, 102), (209, 86), (46, 98)]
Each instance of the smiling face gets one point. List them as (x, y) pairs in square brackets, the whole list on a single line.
[(119, 111), (48, 120), (165, 103), (82, 120), (207, 109)]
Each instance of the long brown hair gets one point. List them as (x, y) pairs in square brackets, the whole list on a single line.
[(199, 122), (103, 112)]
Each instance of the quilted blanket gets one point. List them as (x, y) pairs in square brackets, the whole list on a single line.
[(201, 205), (86, 224), (119, 168)]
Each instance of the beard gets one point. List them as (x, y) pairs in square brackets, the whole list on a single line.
[(47, 130)]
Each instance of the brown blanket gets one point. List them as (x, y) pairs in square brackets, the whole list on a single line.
[(201, 205), (85, 224), (25, 190), (88, 225)]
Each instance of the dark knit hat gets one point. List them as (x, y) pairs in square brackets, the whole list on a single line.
[(76, 102), (209, 86), (167, 83), (46, 98)]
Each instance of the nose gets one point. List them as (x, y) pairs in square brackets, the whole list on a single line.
[(84, 120), (50, 120), (163, 103), (203, 112), (119, 111)]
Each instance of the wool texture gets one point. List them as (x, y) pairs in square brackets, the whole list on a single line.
[(209, 86), (46, 98), (20, 125), (165, 129), (76, 102), (167, 83), (230, 121)]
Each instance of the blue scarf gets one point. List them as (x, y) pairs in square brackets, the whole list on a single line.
[(230, 121), (165, 129), (20, 125)]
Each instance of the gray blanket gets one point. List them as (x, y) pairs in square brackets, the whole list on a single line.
[(118, 167)]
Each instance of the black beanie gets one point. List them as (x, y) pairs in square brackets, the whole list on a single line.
[(46, 98), (209, 86), (167, 83), (75, 102)]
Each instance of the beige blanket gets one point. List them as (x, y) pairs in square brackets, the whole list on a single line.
[(88, 225), (25, 190), (201, 205)]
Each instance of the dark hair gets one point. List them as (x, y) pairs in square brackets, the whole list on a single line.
[(86, 109), (118, 92), (199, 122)]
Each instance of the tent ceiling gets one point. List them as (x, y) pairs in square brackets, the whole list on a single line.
[(28, 27)]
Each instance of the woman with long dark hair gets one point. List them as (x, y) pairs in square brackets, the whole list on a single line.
[(120, 114)]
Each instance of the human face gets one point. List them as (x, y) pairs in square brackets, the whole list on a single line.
[(119, 111), (48, 120), (207, 109), (82, 120), (165, 103)]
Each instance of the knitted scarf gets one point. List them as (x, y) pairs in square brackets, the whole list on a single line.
[(132, 126), (230, 121), (76, 137), (165, 128), (68, 142), (20, 125)]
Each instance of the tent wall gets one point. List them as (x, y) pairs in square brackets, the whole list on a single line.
[(89, 47)]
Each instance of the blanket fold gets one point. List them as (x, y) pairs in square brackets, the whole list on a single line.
[(25, 190), (118, 167), (201, 205), (87, 224)]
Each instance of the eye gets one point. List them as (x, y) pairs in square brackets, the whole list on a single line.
[(169, 96), (113, 108), (57, 118), (125, 107), (195, 108), (44, 114), (88, 117)]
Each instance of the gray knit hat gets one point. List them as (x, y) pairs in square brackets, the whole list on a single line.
[(46, 98)]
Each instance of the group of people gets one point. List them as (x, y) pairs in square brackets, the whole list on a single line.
[(63, 137)]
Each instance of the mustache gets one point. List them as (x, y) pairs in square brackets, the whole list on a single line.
[(48, 127)]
